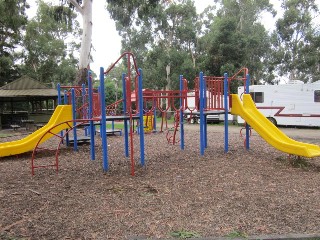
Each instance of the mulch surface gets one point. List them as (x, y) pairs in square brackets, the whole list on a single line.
[(255, 192)]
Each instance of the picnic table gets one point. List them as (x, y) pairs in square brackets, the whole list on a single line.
[(15, 126), (27, 123), (39, 125)]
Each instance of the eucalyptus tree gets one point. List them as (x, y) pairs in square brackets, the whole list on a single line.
[(48, 53), (12, 23), (296, 41), (84, 9), (160, 34), (237, 38)]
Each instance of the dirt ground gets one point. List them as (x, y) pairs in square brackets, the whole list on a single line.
[(242, 192)]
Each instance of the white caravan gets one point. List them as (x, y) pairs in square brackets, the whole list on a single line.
[(293, 104)]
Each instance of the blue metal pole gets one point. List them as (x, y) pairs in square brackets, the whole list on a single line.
[(205, 131), (155, 118), (90, 91), (83, 93), (65, 99), (201, 114), (247, 125), (141, 118), (59, 101), (74, 116), (59, 93), (105, 163), (181, 114), (125, 122), (226, 111), (99, 93), (84, 114)]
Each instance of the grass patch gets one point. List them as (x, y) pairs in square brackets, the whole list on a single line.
[(109, 126), (298, 162), (237, 234), (183, 234), (5, 236), (116, 126), (4, 135)]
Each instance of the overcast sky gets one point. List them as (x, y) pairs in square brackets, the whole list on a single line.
[(107, 42), (105, 39), (107, 49)]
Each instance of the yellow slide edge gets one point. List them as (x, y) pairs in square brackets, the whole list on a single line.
[(62, 113), (268, 131)]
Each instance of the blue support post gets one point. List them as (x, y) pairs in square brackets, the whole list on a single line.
[(59, 93), (105, 163), (65, 101), (99, 93), (74, 117), (181, 114), (83, 93), (59, 101), (247, 125), (155, 118), (112, 125), (90, 91), (125, 122), (226, 111), (205, 129), (201, 115), (140, 98), (84, 114)]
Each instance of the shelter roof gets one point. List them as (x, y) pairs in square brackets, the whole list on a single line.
[(26, 87)]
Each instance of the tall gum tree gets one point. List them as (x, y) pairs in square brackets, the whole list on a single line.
[(296, 41), (47, 56), (84, 8), (162, 33), (237, 38), (13, 20)]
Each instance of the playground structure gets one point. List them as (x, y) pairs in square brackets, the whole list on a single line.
[(62, 114), (268, 131), (140, 105)]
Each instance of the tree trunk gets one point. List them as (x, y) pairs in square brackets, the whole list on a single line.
[(86, 11)]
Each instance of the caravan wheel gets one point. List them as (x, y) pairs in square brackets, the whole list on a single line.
[(192, 120), (272, 120)]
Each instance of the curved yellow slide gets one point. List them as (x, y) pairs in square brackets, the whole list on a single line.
[(268, 131), (61, 114)]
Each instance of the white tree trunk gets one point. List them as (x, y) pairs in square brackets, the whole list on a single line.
[(86, 12), (86, 34)]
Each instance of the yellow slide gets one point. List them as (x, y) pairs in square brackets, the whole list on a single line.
[(268, 131), (61, 114)]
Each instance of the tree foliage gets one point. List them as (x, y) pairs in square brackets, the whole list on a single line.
[(163, 38), (12, 22), (224, 37), (48, 56), (237, 38), (296, 42), (168, 38)]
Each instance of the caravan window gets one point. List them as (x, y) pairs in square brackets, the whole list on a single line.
[(317, 95), (258, 97)]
